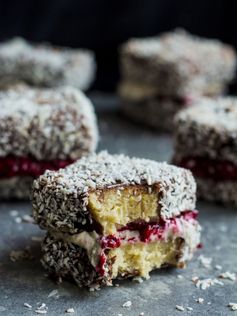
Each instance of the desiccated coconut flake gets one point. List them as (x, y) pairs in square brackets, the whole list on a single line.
[(195, 279), (180, 308), (127, 304), (206, 262), (200, 300), (53, 293), (233, 306), (27, 305), (27, 219), (206, 283), (228, 275), (70, 311)]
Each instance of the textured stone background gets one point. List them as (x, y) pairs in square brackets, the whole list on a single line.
[(25, 281)]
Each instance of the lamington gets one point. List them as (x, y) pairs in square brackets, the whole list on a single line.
[(206, 143), (163, 74), (111, 216), (41, 129), (43, 65)]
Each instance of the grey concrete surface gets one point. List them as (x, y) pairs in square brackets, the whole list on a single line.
[(25, 280)]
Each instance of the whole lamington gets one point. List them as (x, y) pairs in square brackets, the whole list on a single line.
[(41, 129), (206, 143), (163, 74), (43, 65), (111, 216)]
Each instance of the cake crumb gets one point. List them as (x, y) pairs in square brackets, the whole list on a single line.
[(127, 304), (233, 306), (180, 308), (228, 275)]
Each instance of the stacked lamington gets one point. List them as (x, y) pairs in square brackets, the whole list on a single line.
[(45, 66), (206, 143), (41, 129), (110, 216), (161, 75)]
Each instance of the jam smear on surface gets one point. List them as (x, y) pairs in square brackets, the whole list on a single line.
[(206, 168), (12, 166)]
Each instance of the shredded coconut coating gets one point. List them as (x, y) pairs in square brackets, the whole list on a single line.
[(187, 62), (209, 129), (60, 198), (44, 65), (46, 124)]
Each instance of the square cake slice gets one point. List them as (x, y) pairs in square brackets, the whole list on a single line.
[(111, 216), (176, 64), (43, 65), (206, 143), (41, 129)]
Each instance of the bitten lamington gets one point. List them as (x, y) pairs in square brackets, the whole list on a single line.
[(206, 143), (163, 74), (111, 216), (41, 129), (43, 65)]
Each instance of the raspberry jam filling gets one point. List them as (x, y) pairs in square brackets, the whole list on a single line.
[(141, 231), (220, 170), (12, 166)]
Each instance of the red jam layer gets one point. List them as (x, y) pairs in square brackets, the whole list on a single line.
[(12, 166), (145, 229), (220, 170)]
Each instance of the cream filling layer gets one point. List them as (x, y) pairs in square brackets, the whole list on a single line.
[(174, 228)]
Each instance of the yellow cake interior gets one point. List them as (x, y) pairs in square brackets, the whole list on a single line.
[(141, 258), (113, 208)]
